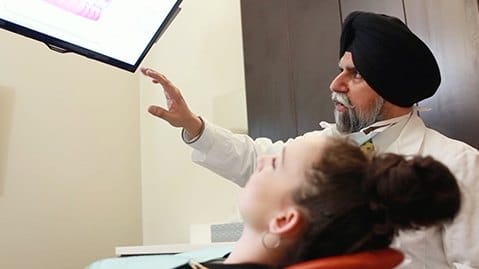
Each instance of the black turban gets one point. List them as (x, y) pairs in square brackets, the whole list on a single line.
[(392, 59)]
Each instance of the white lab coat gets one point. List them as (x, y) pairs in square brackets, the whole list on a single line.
[(452, 246)]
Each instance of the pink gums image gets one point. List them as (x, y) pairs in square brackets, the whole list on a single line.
[(89, 9)]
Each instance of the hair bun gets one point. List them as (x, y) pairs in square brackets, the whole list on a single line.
[(412, 193)]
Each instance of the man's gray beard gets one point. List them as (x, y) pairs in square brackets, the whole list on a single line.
[(352, 121)]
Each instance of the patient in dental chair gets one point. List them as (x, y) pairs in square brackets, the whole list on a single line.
[(324, 197)]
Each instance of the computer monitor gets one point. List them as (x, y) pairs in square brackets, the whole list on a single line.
[(115, 32)]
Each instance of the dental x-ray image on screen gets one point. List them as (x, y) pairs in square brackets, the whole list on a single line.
[(115, 32)]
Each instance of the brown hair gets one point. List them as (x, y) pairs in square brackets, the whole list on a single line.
[(354, 203)]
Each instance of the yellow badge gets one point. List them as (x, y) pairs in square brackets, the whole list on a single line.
[(367, 147)]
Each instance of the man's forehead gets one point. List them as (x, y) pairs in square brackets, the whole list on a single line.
[(346, 61)]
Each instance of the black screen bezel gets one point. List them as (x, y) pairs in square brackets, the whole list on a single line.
[(63, 46)]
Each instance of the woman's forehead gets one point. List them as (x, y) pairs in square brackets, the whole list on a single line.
[(311, 141), (305, 147)]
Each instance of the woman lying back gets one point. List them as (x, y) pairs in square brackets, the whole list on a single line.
[(324, 197)]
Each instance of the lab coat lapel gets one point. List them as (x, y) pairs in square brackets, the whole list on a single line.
[(411, 138)]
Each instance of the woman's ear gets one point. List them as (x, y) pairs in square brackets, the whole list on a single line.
[(287, 222)]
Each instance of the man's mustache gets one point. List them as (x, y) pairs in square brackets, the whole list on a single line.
[(342, 99)]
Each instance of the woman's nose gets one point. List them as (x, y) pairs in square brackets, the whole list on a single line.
[(261, 162)]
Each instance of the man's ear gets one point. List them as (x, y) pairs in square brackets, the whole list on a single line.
[(286, 222)]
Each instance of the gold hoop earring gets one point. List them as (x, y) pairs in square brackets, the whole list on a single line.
[(270, 241)]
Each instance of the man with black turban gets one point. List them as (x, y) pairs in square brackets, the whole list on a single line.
[(385, 70)]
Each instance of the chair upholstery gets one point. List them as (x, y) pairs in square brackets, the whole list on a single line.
[(377, 259)]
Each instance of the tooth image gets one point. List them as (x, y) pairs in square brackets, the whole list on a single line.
[(89, 9)]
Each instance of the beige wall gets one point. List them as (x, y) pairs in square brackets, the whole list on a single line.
[(201, 53), (73, 184), (69, 158)]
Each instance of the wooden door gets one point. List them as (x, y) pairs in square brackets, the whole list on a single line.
[(267, 60), (451, 30), (389, 7), (315, 28), (290, 52)]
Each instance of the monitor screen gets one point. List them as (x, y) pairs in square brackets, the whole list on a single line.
[(116, 32)]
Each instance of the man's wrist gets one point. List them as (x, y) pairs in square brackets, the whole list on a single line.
[(188, 137), (195, 127)]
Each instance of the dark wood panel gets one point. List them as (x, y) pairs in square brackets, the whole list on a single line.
[(314, 31), (388, 7), (451, 30), (267, 58)]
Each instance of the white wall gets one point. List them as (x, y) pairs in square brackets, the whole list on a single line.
[(201, 53), (69, 158)]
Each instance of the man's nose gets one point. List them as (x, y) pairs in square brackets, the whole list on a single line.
[(339, 84)]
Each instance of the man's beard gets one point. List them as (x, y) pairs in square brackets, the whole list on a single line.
[(353, 120)]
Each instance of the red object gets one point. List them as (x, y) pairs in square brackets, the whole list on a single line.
[(377, 259)]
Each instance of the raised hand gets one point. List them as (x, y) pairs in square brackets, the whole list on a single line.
[(177, 112)]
